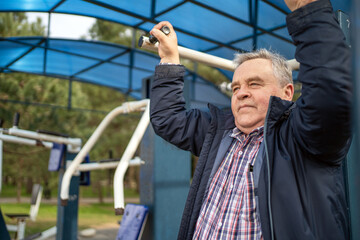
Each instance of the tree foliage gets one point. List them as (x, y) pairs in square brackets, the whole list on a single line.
[(43, 105)]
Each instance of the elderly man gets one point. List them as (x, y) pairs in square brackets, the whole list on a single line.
[(270, 168)]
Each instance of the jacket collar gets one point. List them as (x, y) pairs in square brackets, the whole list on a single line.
[(225, 118), (278, 110)]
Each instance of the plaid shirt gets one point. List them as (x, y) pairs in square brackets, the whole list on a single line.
[(229, 210)]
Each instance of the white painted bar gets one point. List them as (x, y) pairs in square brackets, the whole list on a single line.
[(129, 152), (75, 143), (205, 58), (25, 141), (125, 108), (84, 167)]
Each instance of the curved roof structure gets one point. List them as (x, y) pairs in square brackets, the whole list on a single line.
[(216, 27), (111, 65)]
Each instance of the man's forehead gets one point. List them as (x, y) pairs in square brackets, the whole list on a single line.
[(255, 68)]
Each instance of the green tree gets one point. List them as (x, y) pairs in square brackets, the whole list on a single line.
[(16, 24)]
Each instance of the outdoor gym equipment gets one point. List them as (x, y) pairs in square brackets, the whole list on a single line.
[(122, 166), (45, 139), (207, 59), (40, 138), (22, 217)]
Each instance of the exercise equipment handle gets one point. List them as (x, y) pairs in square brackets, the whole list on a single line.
[(165, 29), (207, 59)]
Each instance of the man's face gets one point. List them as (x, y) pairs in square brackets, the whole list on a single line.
[(253, 84)]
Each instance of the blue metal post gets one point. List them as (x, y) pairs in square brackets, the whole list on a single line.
[(354, 155), (164, 184), (67, 216)]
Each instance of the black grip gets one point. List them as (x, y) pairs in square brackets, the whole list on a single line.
[(16, 119), (1, 122), (165, 29)]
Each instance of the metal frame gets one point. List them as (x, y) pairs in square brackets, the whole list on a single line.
[(73, 167)]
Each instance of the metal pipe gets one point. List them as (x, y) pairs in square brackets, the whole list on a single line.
[(84, 167), (74, 144), (25, 141), (204, 58), (125, 108), (125, 159)]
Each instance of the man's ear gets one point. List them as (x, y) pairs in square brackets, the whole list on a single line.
[(288, 92)]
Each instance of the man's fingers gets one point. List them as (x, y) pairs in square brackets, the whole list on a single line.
[(158, 34), (156, 31)]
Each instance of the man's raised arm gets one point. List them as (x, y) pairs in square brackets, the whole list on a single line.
[(322, 123)]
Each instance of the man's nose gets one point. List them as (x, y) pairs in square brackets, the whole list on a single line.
[(242, 93)]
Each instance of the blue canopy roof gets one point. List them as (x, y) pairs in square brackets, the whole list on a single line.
[(98, 63), (216, 27)]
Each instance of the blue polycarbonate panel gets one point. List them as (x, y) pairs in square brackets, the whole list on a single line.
[(32, 62), (203, 22), (163, 5), (206, 92), (283, 33), (137, 78), (223, 53), (193, 42), (66, 64), (98, 50), (238, 9), (185, 39), (138, 7), (284, 48), (136, 94), (246, 45), (145, 61), (281, 4), (269, 17), (10, 51), (84, 8), (123, 59), (107, 74), (27, 5)]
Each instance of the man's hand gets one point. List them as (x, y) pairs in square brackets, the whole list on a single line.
[(168, 48), (295, 4)]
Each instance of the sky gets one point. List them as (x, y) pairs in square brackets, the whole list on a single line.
[(64, 25)]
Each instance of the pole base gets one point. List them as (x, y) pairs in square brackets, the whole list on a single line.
[(119, 211)]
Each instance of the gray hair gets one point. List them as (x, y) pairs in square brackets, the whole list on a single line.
[(281, 69)]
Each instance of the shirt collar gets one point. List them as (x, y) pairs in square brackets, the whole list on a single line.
[(239, 135)]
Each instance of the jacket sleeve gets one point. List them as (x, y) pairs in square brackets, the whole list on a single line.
[(169, 118), (322, 124)]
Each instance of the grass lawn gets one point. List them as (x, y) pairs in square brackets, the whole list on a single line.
[(90, 215)]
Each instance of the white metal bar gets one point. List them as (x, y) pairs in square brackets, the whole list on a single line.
[(12, 228), (25, 141), (84, 167), (205, 58), (34, 209), (125, 108), (21, 229), (73, 142), (125, 159), (47, 233)]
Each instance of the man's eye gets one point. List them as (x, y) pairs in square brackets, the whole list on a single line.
[(235, 89)]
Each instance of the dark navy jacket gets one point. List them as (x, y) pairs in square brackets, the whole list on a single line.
[(298, 174)]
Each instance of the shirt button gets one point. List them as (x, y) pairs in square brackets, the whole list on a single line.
[(219, 224), (231, 186), (240, 152)]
